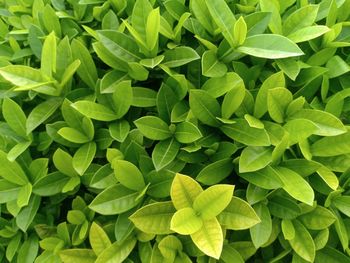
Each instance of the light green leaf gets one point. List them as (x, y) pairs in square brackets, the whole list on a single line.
[(153, 128), (288, 229), (240, 31), (184, 191), (238, 215), (48, 55), (275, 80), (209, 238), (266, 178), (308, 33), (94, 110), (164, 153), (331, 146), (185, 221), (270, 46), (211, 66), (277, 101), (223, 17), (290, 179), (98, 239), (204, 107), (215, 172), (12, 171), (273, 6), (117, 252), (213, 200), (24, 195), (318, 219), (243, 133), (73, 135), (179, 56), (14, 117), (260, 233), (254, 158), (299, 129), (302, 243), (128, 175), (187, 132), (301, 18), (327, 124), (152, 28), (41, 113), (87, 69), (77, 255), (115, 199), (342, 203), (154, 218), (83, 157)]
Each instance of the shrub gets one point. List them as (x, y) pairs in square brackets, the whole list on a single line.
[(174, 131)]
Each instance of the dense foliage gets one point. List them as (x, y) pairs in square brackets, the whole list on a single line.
[(174, 131)]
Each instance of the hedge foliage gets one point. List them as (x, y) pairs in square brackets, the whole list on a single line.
[(154, 131)]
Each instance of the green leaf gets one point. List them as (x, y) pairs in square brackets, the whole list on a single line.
[(318, 219), (342, 203), (179, 56), (164, 153), (308, 33), (87, 69), (152, 28), (14, 117), (238, 215), (64, 162), (98, 239), (233, 99), (272, 6), (117, 252), (301, 18), (41, 113), (283, 207), (243, 133), (260, 233), (154, 218), (122, 99), (209, 238), (275, 80), (12, 171), (277, 101), (94, 110), (83, 157), (329, 254), (299, 130), (302, 243), (73, 135), (331, 146), (77, 255), (266, 178), (184, 190), (119, 130), (24, 195), (254, 158), (288, 229), (290, 179), (48, 55), (213, 201), (215, 172), (25, 77), (185, 221), (211, 66), (26, 215), (51, 184), (240, 31), (204, 107), (128, 175), (187, 132), (327, 124), (223, 17), (270, 46), (115, 199), (153, 128)]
